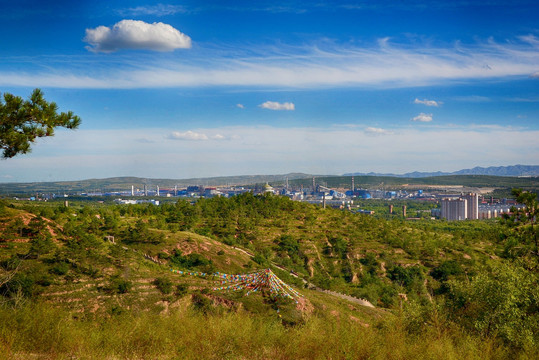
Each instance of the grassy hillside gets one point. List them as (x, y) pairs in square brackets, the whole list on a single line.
[(448, 290)]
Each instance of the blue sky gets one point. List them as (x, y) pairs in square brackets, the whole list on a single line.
[(181, 89)]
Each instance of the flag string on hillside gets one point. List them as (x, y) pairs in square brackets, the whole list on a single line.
[(263, 280)]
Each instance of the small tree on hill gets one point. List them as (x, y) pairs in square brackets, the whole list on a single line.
[(23, 121)]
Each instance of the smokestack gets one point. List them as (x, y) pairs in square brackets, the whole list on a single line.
[(391, 209), (404, 210), (132, 190), (157, 190)]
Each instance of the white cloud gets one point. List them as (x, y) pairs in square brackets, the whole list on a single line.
[(384, 64), (423, 117), (377, 131), (428, 102), (261, 150), (530, 39), (218, 137), (272, 105), (188, 135), (240, 106), (135, 34)]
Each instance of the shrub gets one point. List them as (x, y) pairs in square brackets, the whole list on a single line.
[(163, 284), (446, 269), (181, 290), (119, 285), (20, 283), (60, 268), (202, 304), (405, 276)]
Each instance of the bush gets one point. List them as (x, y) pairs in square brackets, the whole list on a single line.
[(10, 264), (446, 269), (20, 283), (119, 285), (181, 290), (202, 304), (163, 284), (60, 268), (406, 276)]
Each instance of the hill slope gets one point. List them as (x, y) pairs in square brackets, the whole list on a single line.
[(107, 270)]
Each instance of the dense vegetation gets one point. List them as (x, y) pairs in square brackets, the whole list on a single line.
[(442, 289)]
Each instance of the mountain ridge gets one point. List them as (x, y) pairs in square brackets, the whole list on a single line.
[(511, 170)]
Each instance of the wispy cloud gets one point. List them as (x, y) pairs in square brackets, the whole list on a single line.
[(194, 136), (528, 100), (188, 135), (472, 98), (428, 102), (377, 131), (241, 106), (144, 141), (135, 34), (384, 64), (155, 10), (423, 117), (272, 105)]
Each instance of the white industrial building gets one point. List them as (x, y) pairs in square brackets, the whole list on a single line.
[(462, 208)]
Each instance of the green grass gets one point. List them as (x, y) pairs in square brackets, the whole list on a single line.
[(44, 332)]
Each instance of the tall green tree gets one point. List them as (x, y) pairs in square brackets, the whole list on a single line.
[(23, 121)]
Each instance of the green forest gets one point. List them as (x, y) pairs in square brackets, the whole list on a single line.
[(92, 280)]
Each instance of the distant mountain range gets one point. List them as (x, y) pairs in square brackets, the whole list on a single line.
[(125, 183), (513, 170)]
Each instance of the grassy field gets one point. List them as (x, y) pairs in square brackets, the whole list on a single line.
[(45, 332)]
